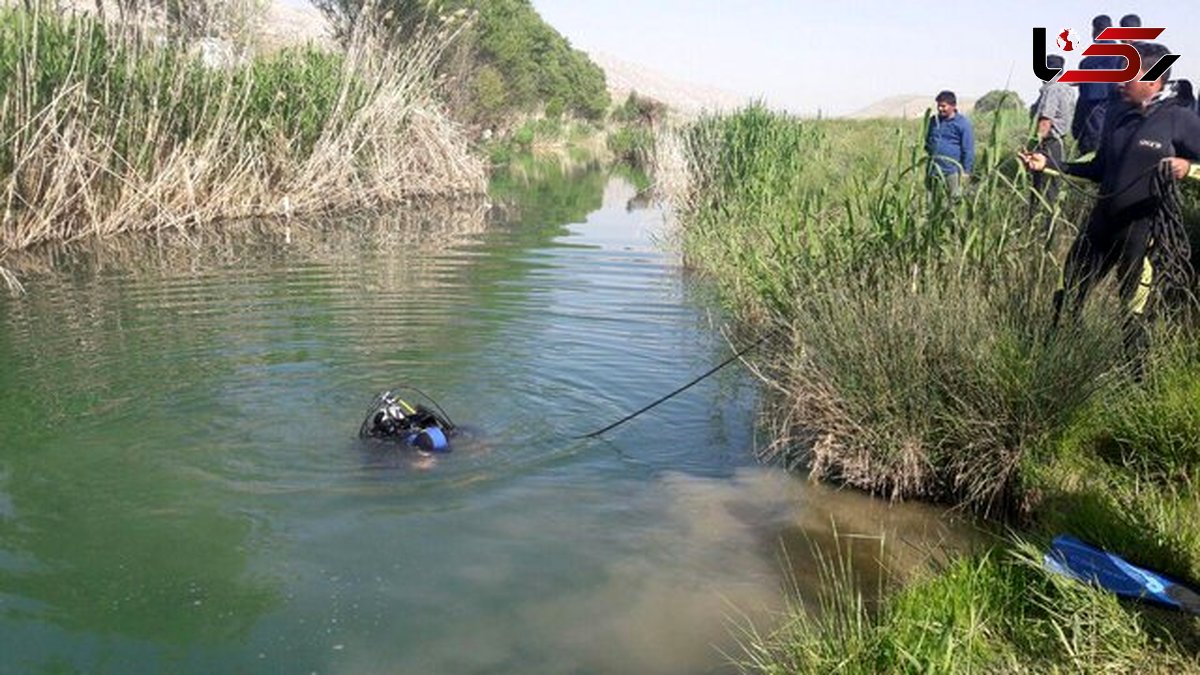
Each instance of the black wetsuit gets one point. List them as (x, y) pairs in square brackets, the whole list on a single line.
[(1132, 145)]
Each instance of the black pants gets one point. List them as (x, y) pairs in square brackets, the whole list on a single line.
[(1113, 241)]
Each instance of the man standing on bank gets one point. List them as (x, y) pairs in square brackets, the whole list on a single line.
[(1142, 131), (950, 143), (1052, 113)]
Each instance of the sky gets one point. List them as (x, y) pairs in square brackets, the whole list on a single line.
[(839, 56)]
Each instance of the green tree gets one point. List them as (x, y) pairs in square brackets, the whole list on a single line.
[(999, 99), (517, 62), (399, 18), (489, 94)]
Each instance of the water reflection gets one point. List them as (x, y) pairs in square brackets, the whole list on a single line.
[(543, 195), (137, 385), (115, 464)]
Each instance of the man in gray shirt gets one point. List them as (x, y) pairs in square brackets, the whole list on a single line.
[(1053, 111)]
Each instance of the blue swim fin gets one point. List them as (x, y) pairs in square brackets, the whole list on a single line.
[(1073, 558)]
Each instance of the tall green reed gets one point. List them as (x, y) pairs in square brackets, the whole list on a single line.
[(778, 203), (922, 361)]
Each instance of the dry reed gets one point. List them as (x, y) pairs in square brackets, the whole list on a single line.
[(110, 133)]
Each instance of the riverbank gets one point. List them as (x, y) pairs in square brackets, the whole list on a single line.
[(111, 131), (133, 122), (918, 363)]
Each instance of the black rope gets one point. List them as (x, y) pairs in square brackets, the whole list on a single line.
[(429, 398), (1066, 179), (689, 385), (1170, 251)]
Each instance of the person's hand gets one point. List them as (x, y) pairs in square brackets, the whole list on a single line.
[(1179, 167), (1034, 161)]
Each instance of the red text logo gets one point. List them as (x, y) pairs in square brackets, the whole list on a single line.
[(1132, 64)]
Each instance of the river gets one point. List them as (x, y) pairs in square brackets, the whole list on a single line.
[(181, 488)]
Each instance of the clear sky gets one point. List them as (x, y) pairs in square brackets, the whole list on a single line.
[(839, 56)]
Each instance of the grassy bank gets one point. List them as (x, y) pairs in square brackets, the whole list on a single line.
[(107, 132), (624, 138), (919, 362), (992, 612), (571, 143)]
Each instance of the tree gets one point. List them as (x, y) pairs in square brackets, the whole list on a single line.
[(999, 99), (489, 96), (399, 19), (638, 109), (516, 61)]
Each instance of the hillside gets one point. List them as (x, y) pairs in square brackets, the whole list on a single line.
[(905, 106), (685, 98)]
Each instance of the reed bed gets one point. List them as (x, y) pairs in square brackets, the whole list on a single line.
[(916, 358), (109, 132), (920, 360)]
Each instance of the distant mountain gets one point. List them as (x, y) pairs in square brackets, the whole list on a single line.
[(688, 99), (905, 106)]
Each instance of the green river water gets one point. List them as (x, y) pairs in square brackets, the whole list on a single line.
[(181, 489)]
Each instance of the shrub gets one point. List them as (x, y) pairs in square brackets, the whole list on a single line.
[(999, 99)]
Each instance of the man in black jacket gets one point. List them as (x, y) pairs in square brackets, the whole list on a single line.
[(1142, 131)]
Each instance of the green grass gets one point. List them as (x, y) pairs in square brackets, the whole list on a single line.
[(1152, 428), (919, 361), (1125, 472), (992, 611)]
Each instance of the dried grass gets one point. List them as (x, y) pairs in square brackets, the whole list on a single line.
[(84, 166)]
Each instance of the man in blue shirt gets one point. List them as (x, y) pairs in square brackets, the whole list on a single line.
[(950, 144)]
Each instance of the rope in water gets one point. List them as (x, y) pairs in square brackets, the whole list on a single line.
[(737, 355)]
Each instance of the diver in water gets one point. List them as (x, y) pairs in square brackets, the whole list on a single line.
[(391, 417)]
